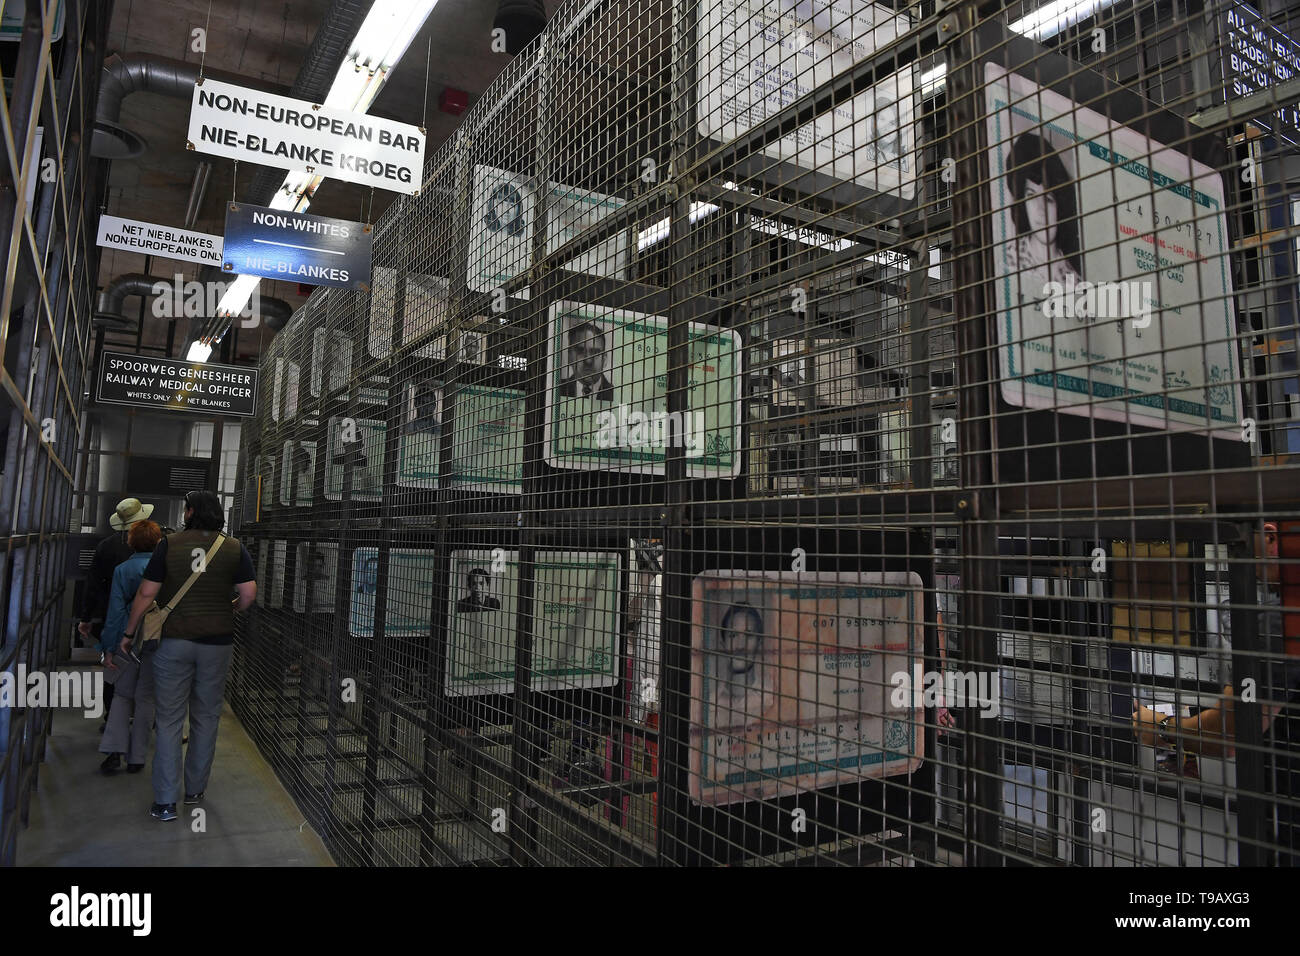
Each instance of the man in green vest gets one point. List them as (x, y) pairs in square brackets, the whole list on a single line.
[(193, 658)]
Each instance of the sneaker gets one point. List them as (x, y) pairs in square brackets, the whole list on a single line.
[(194, 797), (163, 811), (112, 763), (134, 767)]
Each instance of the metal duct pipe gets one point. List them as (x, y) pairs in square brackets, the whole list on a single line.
[(142, 73), (134, 73), (523, 22), (108, 308)]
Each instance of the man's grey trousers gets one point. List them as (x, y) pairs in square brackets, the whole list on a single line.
[(193, 674)]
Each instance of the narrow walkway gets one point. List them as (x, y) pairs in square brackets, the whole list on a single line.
[(80, 817)]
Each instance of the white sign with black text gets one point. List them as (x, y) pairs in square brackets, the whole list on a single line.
[(148, 239), (256, 127)]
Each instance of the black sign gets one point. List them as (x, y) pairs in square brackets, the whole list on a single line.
[(1257, 57), (167, 476), (296, 247), (177, 385)]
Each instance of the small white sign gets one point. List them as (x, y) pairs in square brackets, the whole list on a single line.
[(150, 239), (256, 127)]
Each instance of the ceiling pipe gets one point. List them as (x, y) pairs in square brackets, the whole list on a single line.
[(109, 306), (143, 73), (275, 312)]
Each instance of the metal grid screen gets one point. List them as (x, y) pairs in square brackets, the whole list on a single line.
[(788, 433), (50, 192)]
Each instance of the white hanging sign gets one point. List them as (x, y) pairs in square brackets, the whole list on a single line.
[(150, 239), (242, 124)]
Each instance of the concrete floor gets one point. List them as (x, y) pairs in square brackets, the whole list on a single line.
[(79, 817)]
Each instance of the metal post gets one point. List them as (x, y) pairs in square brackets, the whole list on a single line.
[(525, 714), (978, 503), (674, 673), (918, 311), (1253, 829)]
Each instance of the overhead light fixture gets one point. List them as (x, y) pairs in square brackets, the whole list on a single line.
[(388, 30), (1043, 24), (932, 81), (1049, 20), (659, 231), (383, 38), (236, 296)]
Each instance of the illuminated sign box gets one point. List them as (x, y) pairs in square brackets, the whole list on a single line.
[(1256, 57)]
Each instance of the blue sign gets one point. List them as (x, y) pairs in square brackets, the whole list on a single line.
[(1258, 56), (296, 247)]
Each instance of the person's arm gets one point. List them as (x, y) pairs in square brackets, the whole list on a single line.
[(247, 593), (115, 619), (155, 572), (245, 583), (1208, 732), (143, 598)]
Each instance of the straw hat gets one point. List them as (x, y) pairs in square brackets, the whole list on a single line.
[(128, 512)]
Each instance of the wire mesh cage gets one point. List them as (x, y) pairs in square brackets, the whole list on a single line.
[(50, 188), (785, 433)]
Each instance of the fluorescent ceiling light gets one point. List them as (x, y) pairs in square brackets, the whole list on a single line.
[(659, 231), (1049, 20), (383, 38), (237, 295), (933, 80), (198, 352), (1043, 24), (388, 30), (350, 86)]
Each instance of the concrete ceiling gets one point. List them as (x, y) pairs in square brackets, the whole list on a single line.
[(266, 42)]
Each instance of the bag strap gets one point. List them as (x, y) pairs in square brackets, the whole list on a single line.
[(194, 576)]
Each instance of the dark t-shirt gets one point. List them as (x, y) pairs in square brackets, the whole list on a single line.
[(109, 553), (156, 571)]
